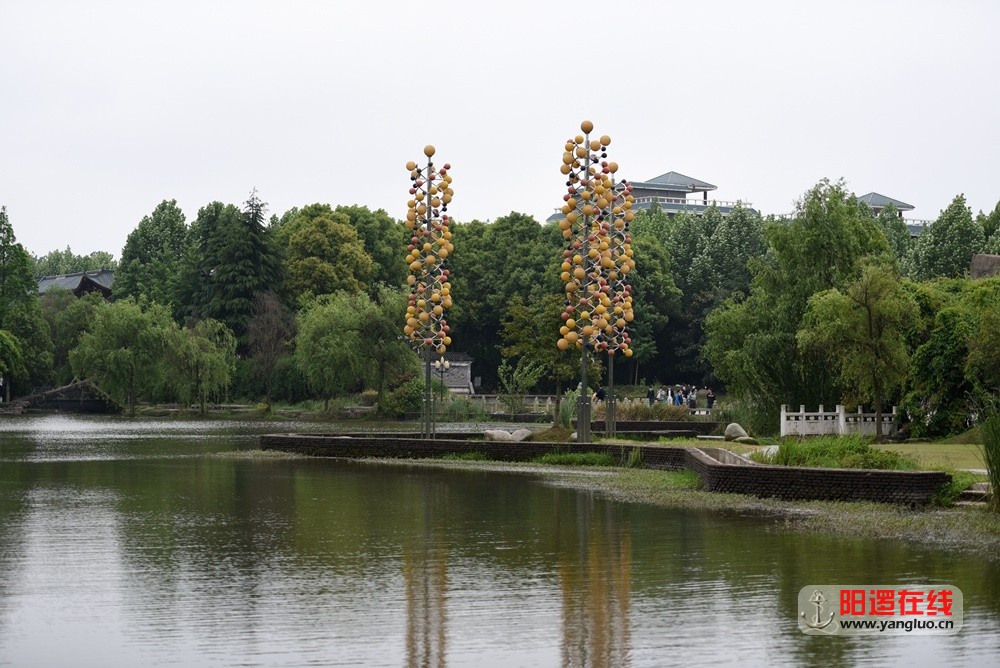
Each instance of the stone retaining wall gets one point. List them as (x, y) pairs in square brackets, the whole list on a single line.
[(739, 476)]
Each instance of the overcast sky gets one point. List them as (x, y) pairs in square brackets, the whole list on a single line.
[(109, 107)]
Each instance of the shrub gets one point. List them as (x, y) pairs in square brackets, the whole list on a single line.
[(567, 408), (369, 397), (407, 398), (990, 431), (843, 452), (643, 411)]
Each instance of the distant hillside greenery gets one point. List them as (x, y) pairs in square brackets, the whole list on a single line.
[(830, 305)]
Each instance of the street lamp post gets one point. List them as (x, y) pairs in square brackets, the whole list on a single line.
[(441, 366)]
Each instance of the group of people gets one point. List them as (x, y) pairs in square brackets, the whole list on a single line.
[(680, 395)]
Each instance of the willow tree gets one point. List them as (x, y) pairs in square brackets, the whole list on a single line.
[(862, 332)]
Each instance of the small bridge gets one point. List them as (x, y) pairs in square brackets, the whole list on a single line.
[(81, 397)]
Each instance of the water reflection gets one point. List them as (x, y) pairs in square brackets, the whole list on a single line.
[(595, 582)]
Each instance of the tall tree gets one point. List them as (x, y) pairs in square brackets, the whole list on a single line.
[(990, 223), (946, 247), (201, 360), (10, 360), (346, 341), (383, 237), (20, 314), (323, 253), (862, 331), (241, 261), (203, 253), (270, 336), (68, 318), (151, 258)]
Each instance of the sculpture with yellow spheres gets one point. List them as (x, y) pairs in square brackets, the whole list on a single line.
[(598, 254), (427, 254)]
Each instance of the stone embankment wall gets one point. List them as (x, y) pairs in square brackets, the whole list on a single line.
[(733, 474)]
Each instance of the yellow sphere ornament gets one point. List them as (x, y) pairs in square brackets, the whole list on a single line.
[(628, 352), (410, 166), (587, 127), (605, 140), (562, 344), (428, 150)]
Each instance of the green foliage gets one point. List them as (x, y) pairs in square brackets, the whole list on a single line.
[(270, 335), (369, 398), (576, 459), (123, 352), (751, 343), (945, 249), (201, 361), (990, 430), (634, 459), (20, 313), (643, 411), (68, 318), (937, 400), (10, 357), (462, 408), (567, 409), (323, 253), (58, 262), (757, 420), (237, 260), (407, 398), (516, 381), (844, 452), (493, 263), (950, 492), (384, 238), (990, 224), (152, 256), (892, 225), (530, 332), (862, 332)]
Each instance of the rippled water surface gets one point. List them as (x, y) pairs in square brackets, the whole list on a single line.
[(127, 543)]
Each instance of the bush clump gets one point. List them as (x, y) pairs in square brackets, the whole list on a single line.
[(841, 452)]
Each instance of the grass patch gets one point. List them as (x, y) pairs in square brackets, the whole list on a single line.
[(842, 452), (940, 455), (552, 435), (473, 456), (576, 459)]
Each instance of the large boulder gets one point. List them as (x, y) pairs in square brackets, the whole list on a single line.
[(734, 431), (497, 435), (521, 435)]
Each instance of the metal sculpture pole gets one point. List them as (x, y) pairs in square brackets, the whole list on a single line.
[(596, 257), (427, 253)]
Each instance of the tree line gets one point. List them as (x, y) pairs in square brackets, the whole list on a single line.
[(309, 304)]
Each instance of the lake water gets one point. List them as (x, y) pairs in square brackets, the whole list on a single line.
[(126, 543)]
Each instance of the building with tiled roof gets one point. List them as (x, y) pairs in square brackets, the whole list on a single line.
[(670, 191), (80, 283)]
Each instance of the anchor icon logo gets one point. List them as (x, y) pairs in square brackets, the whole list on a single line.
[(817, 622)]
